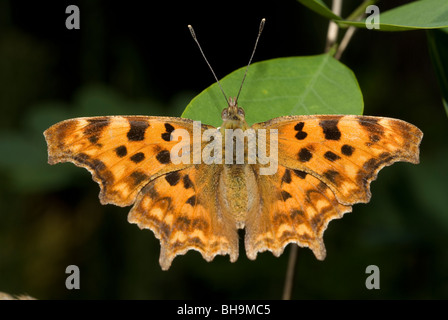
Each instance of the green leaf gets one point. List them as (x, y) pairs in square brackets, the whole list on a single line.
[(285, 86), (428, 14), (321, 8), (438, 50)]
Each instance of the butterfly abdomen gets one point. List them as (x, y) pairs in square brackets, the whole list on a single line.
[(236, 192)]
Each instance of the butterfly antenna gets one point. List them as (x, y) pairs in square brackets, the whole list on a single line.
[(193, 34), (251, 57)]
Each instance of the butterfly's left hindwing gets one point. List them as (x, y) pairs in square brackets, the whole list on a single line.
[(183, 211)]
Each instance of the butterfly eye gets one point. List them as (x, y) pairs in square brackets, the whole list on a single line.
[(241, 112), (224, 114)]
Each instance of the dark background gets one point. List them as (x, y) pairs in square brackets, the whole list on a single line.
[(135, 57)]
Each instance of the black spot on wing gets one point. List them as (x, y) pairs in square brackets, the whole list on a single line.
[(138, 157), (374, 138), (167, 135), (287, 176), (300, 174), (371, 125), (187, 182), (138, 177), (299, 126), (331, 175), (121, 151), (163, 157), (94, 139), (347, 150), (192, 201), (172, 178), (300, 135), (331, 156), (285, 195), (330, 129), (94, 129), (137, 130), (305, 155)]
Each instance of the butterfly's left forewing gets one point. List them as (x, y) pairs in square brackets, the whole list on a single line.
[(123, 153)]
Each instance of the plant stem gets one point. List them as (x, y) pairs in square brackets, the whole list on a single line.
[(289, 280), (332, 35), (333, 28), (356, 15), (344, 42)]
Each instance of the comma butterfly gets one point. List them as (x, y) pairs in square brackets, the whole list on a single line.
[(325, 165)]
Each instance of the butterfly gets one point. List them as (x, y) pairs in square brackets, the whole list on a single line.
[(324, 164)]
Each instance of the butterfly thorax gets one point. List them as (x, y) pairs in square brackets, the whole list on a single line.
[(236, 179), (232, 129)]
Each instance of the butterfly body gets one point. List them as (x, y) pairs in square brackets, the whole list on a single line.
[(237, 189), (325, 165)]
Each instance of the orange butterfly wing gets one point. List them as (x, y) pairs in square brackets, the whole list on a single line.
[(122, 153), (129, 157), (182, 209), (326, 164)]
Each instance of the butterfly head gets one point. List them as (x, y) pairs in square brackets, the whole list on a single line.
[(233, 117)]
